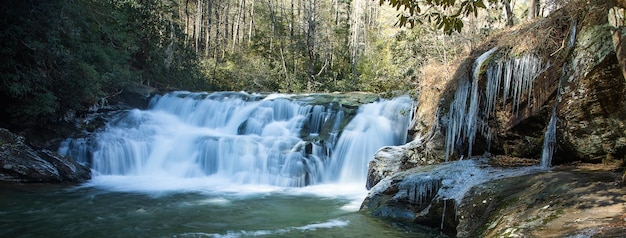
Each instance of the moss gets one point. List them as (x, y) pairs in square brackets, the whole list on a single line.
[(553, 216)]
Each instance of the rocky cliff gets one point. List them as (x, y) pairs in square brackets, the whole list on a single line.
[(557, 98)]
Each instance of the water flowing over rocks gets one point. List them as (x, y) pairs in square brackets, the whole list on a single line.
[(554, 101), (21, 163), (247, 138)]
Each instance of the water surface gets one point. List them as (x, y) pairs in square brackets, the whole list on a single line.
[(92, 211)]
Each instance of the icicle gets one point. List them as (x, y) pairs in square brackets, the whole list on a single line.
[(456, 117), (494, 76), (512, 79), (572, 36), (472, 115), (462, 122), (443, 213), (421, 189)]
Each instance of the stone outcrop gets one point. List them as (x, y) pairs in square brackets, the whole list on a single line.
[(390, 160), (21, 163), (593, 106), (431, 195)]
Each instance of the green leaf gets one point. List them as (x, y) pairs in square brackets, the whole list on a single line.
[(480, 4)]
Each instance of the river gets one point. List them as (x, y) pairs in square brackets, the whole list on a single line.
[(226, 164)]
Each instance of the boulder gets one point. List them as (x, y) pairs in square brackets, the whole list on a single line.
[(431, 194), (390, 160), (585, 200), (21, 163)]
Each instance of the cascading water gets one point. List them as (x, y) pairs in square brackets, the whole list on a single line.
[(225, 164), (375, 126), (239, 138), (549, 139)]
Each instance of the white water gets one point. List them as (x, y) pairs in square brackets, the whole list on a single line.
[(239, 143), (549, 139)]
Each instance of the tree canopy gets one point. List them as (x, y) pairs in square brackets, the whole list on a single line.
[(66, 56), (63, 56), (445, 14)]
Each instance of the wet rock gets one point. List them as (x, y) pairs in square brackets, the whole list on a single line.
[(564, 202), (135, 96), (21, 163)]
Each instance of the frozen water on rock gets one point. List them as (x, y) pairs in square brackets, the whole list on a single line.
[(447, 181), (462, 122), (420, 189), (510, 79)]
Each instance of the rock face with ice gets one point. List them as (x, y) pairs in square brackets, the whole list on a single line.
[(510, 100), (430, 194), (550, 105)]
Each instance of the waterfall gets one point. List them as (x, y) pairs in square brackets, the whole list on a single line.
[(375, 126), (241, 138), (549, 139)]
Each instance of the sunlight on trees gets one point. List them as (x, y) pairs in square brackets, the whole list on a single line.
[(69, 55)]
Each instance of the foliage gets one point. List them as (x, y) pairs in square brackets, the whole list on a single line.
[(445, 14), (65, 56), (62, 56)]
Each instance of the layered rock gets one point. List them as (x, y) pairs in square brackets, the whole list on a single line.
[(21, 163), (593, 106)]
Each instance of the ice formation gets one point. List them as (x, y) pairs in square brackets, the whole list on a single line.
[(508, 78)]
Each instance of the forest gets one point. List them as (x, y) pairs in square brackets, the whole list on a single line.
[(61, 57)]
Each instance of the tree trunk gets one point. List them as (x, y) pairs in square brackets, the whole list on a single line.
[(533, 9), (311, 44), (251, 23), (198, 29), (280, 41), (207, 38), (186, 22), (509, 12)]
